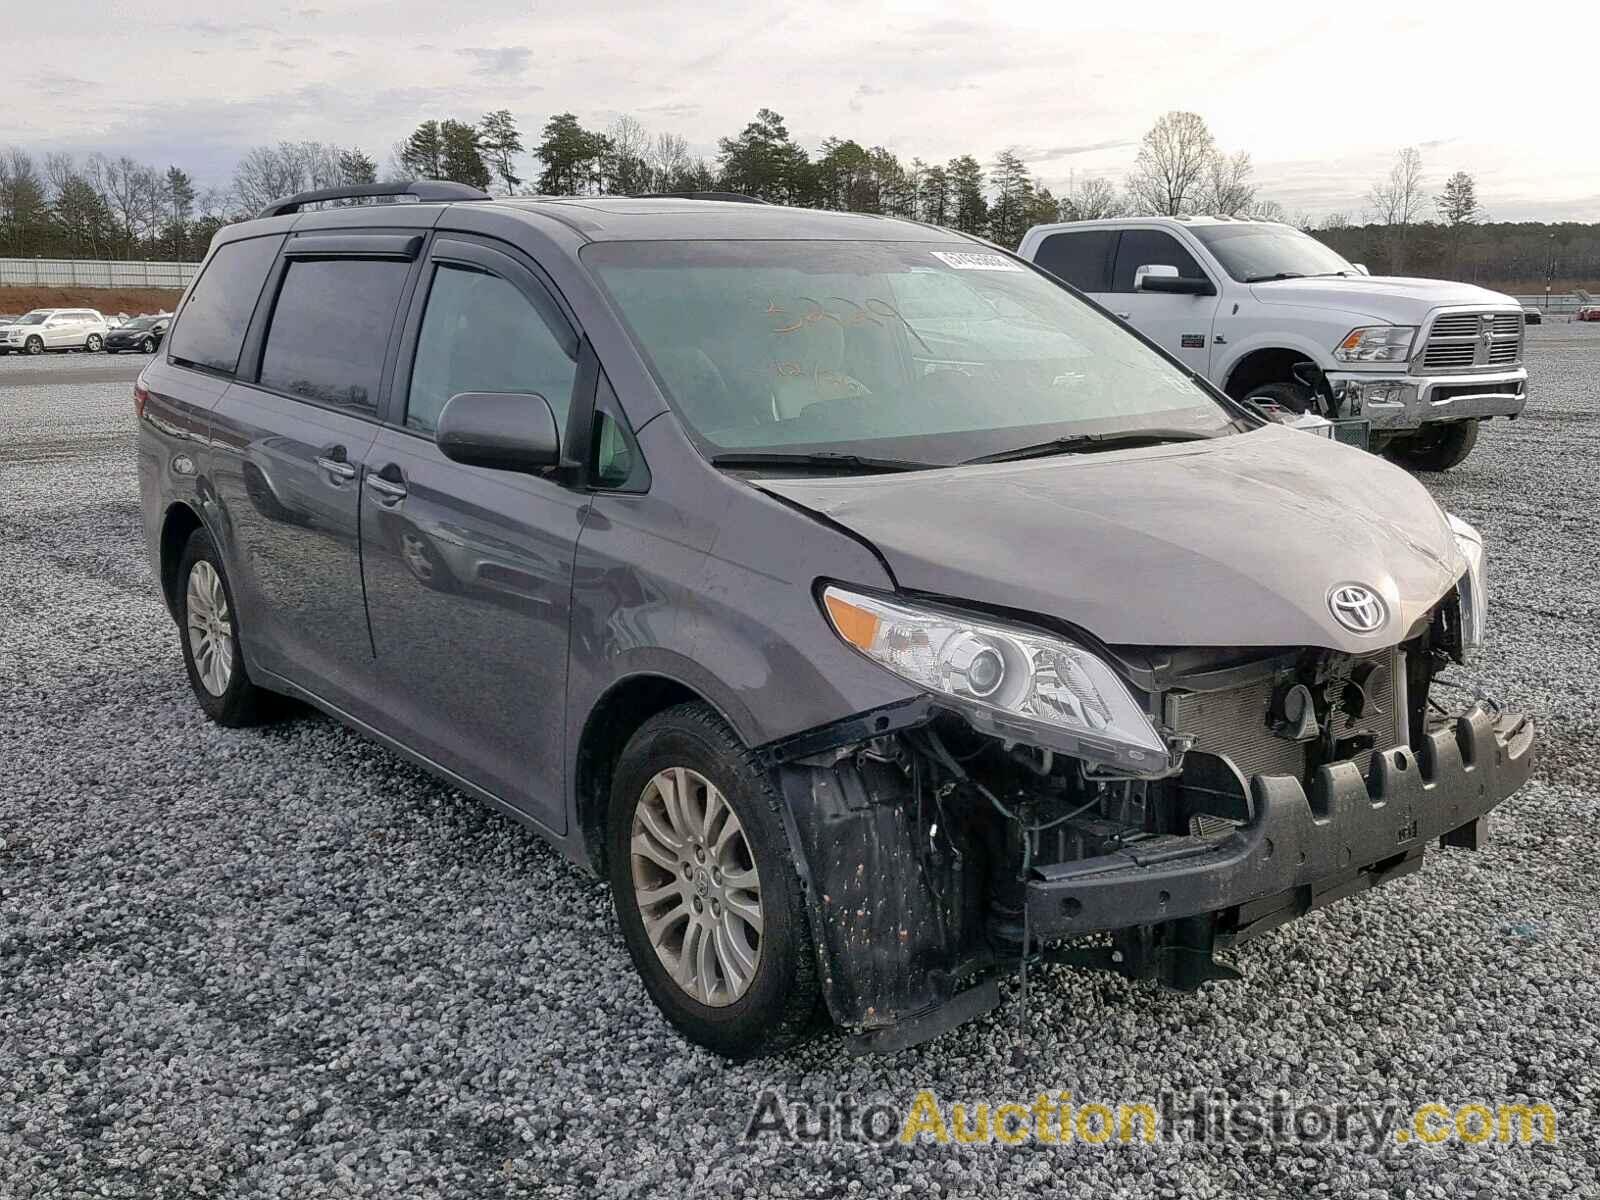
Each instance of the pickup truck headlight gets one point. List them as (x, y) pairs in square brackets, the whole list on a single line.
[(1474, 584), (1011, 682), (1376, 343)]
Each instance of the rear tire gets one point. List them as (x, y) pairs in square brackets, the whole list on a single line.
[(208, 627), (94, 343), (1287, 393), (1436, 449), (702, 800)]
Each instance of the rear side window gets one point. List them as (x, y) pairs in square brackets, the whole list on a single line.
[(218, 310), (480, 334), (330, 330), (1082, 259), (1148, 248)]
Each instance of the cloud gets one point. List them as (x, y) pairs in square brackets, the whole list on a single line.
[(500, 60), (863, 91), (1052, 152)]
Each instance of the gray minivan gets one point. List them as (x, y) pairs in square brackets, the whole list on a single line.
[(876, 613)]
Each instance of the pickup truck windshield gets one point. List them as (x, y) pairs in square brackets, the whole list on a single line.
[(926, 353), (1252, 253)]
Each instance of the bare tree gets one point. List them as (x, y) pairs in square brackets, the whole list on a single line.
[(268, 173), (625, 167), (669, 161), (1092, 198), (1396, 201), (1226, 188), (1168, 176)]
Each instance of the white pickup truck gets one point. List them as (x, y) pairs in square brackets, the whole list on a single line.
[(1269, 313)]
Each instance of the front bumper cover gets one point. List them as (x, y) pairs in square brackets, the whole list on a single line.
[(1405, 402), (1347, 825)]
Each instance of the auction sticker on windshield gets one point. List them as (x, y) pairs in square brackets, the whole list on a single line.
[(962, 261)]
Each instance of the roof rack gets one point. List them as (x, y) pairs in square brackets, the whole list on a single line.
[(728, 197), (424, 190)]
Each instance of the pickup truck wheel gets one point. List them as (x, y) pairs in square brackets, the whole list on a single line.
[(1436, 448), (1294, 396), (705, 887)]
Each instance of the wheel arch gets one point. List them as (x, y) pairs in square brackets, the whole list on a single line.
[(177, 526), (1264, 364), (615, 717)]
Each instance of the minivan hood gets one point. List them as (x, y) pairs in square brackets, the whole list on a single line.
[(1391, 298), (1236, 541)]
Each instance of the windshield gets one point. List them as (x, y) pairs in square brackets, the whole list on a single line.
[(1251, 253), (140, 323), (932, 353), (33, 318)]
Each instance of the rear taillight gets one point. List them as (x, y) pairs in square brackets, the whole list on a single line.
[(141, 397)]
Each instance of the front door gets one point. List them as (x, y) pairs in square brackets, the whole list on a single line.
[(1180, 325), (468, 570)]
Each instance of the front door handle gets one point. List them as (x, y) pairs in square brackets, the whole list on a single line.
[(388, 483)]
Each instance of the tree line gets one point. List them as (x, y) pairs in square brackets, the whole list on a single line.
[(118, 208)]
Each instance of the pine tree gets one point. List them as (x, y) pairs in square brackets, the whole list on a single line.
[(501, 142), (969, 211), (423, 152), (460, 158)]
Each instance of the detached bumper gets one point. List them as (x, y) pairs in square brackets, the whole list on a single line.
[(1403, 402), (1348, 831)]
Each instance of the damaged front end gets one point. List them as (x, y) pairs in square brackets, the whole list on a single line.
[(942, 842)]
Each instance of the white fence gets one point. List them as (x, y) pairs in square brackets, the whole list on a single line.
[(71, 272), (1556, 302)]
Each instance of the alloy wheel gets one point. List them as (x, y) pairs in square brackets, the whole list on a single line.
[(696, 885), (210, 628)]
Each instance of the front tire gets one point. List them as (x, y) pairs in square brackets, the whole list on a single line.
[(148, 345), (705, 887), (1436, 448), (94, 343), (1290, 394), (35, 345), (209, 629)]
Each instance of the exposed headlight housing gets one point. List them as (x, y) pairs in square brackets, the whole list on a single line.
[(1014, 683), (1473, 587), (1376, 343)]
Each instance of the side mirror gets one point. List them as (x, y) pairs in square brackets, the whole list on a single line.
[(1362, 267), (1164, 278), (506, 431)]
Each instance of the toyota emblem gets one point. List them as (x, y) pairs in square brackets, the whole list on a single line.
[(1357, 607)]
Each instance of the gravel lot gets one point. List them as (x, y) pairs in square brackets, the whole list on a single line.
[(282, 963)]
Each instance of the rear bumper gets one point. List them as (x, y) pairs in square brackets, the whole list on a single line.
[(1348, 829), (1404, 402)]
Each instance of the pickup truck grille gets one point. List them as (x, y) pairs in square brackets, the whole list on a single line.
[(1458, 341), (1233, 723)]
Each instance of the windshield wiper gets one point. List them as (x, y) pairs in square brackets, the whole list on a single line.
[(1276, 275), (1086, 443), (820, 460)]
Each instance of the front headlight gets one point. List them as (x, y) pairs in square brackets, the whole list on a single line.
[(1473, 587), (1376, 343), (1014, 683)]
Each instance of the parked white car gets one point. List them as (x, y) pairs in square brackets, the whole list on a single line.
[(57, 329), (1268, 313)]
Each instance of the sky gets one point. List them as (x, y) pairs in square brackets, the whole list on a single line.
[(1321, 96)]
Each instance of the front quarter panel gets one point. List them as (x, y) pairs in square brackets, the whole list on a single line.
[(707, 581)]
